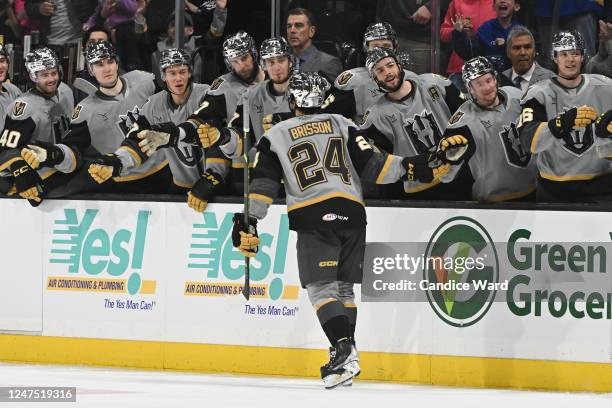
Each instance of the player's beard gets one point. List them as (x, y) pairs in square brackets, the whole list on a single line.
[(251, 75), (383, 87), (282, 80)]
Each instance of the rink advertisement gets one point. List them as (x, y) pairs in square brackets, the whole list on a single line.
[(208, 274), (450, 296), (103, 266)]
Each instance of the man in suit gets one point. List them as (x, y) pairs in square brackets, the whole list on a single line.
[(520, 49), (300, 31)]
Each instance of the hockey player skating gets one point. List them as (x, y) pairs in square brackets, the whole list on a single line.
[(214, 113), (500, 168), (557, 124), (169, 107), (101, 122), (30, 153), (410, 118), (321, 158)]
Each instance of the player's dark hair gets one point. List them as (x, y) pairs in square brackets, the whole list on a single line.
[(303, 12)]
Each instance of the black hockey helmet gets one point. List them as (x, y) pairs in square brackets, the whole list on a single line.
[(98, 51), (274, 47), (475, 68), (379, 31), (173, 56), (377, 55), (308, 89), (41, 59), (238, 45), (567, 40)]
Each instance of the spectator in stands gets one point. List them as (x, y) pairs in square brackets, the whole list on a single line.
[(520, 49), (468, 16), (118, 17), (490, 39), (301, 29), (602, 62), (60, 20), (26, 23), (579, 15), (411, 20), (200, 11)]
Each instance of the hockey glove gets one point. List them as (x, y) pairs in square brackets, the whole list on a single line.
[(28, 183), (580, 117), (159, 136), (244, 237), (603, 125), (452, 149), (272, 119), (105, 167), (424, 168), (202, 190), (42, 155)]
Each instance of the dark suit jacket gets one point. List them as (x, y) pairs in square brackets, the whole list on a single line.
[(539, 74), (325, 64), (78, 12)]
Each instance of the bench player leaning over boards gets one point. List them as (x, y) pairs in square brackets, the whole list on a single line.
[(557, 124), (100, 123), (500, 168), (355, 90), (410, 119), (321, 158), (34, 126), (8, 91), (179, 98), (214, 113)]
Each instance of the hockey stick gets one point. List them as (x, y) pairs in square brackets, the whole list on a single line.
[(246, 289)]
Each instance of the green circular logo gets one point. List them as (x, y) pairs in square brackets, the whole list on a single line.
[(461, 271)]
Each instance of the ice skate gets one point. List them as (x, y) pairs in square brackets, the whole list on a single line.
[(343, 365)]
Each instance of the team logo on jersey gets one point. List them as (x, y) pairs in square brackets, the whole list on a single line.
[(76, 112), (423, 131), (455, 118), (433, 92), (258, 108), (391, 118), (19, 108), (60, 127), (128, 120), (186, 154), (344, 78), (516, 154), (216, 84), (582, 140)]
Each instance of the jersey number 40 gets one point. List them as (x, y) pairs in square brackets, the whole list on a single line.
[(10, 138)]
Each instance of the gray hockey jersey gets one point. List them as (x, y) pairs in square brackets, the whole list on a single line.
[(354, 92), (218, 106), (102, 122), (320, 158), (415, 124), (556, 160), (36, 117), (8, 93), (501, 168), (186, 161)]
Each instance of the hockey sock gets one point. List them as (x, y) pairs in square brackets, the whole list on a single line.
[(334, 321), (350, 309)]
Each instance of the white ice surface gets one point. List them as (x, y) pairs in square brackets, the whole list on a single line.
[(110, 388)]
